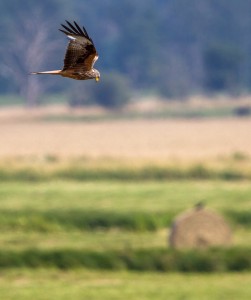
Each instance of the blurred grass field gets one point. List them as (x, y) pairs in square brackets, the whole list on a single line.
[(49, 216), (70, 189), (108, 216), (50, 284)]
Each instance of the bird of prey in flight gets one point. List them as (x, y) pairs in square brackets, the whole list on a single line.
[(80, 55)]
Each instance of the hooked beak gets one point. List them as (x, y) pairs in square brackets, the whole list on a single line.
[(97, 79)]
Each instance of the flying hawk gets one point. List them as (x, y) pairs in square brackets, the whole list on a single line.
[(80, 55)]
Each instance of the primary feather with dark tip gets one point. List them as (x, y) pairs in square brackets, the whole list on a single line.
[(80, 55)]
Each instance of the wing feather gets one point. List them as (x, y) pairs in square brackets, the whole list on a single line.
[(80, 30), (72, 27), (81, 53), (68, 30)]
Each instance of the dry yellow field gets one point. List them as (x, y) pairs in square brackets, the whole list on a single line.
[(156, 139)]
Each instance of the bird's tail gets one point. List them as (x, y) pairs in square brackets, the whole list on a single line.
[(54, 72)]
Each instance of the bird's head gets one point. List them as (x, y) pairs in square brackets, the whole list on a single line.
[(96, 75)]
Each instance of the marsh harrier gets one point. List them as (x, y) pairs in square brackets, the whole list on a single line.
[(80, 55)]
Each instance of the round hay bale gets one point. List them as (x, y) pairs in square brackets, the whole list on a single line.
[(199, 228)]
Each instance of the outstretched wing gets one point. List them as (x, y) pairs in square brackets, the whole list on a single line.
[(81, 53)]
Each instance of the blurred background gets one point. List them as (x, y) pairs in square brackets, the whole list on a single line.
[(164, 48), (138, 184)]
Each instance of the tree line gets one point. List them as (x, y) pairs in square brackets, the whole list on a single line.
[(169, 47)]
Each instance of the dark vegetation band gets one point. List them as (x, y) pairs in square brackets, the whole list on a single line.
[(158, 260), (53, 220), (197, 171)]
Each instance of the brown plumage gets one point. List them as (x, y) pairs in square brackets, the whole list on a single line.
[(80, 55)]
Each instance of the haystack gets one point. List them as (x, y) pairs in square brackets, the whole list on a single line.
[(199, 228)]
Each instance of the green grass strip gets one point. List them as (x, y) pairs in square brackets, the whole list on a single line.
[(46, 221), (123, 173), (162, 260), (49, 221)]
